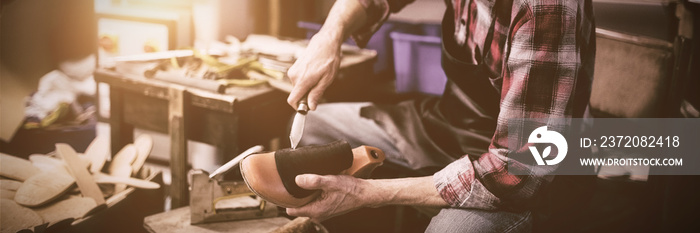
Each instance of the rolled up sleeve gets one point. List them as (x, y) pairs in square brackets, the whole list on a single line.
[(539, 81)]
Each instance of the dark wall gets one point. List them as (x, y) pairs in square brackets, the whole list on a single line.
[(36, 34)]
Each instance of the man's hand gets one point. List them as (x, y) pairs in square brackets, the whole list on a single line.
[(315, 70), (318, 65), (339, 194)]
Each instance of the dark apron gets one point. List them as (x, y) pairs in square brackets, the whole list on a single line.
[(434, 131)]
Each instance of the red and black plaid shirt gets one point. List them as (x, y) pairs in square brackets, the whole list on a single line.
[(543, 51)]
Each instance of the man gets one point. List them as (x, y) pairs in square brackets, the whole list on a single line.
[(504, 59)]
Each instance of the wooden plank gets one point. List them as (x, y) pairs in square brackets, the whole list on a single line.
[(85, 181), (275, 17), (178, 145), (133, 83), (178, 220), (159, 89)]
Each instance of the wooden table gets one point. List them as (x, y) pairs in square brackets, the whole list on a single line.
[(258, 113), (239, 119), (178, 220)]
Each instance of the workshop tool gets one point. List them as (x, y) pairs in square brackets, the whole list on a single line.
[(271, 175), (145, 57), (209, 196), (298, 123), (82, 176), (278, 84)]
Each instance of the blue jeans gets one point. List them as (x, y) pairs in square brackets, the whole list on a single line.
[(473, 220), (335, 121)]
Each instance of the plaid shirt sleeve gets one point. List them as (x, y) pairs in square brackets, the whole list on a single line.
[(540, 63), (377, 13)]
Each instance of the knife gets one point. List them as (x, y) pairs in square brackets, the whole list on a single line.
[(298, 123)]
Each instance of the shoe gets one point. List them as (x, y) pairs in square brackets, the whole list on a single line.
[(271, 175)]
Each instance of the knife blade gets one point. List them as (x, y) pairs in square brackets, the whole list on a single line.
[(298, 123)]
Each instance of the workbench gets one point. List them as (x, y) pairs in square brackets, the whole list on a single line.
[(238, 119), (178, 220)]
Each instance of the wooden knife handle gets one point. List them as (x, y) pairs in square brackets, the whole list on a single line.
[(365, 160)]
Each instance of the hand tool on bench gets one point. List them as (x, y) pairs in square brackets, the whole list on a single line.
[(209, 196), (271, 175)]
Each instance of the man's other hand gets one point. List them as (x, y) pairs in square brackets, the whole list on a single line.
[(339, 194)]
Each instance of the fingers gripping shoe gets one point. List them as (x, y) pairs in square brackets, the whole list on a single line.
[(271, 175)]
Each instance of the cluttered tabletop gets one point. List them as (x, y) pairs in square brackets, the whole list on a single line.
[(212, 96)]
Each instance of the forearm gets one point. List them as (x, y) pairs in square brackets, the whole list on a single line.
[(405, 191), (345, 17)]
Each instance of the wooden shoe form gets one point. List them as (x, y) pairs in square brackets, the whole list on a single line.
[(15, 217), (11, 185), (7, 194), (83, 179), (97, 153), (143, 145), (72, 207), (16, 168), (123, 158), (42, 188), (262, 177)]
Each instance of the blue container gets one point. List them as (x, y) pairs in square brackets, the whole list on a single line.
[(417, 64)]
